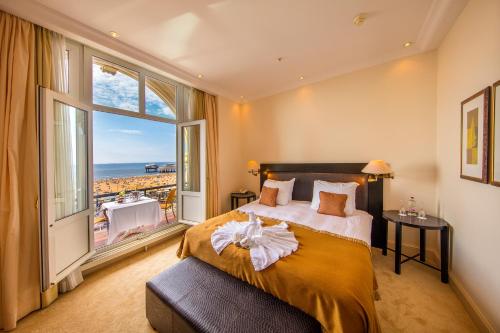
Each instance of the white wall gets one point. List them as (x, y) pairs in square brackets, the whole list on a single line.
[(468, 61), (384, 112)]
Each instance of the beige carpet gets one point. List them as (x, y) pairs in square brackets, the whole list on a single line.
[(112, 299), (416, 300)]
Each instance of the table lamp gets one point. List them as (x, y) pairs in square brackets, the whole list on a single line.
[(253, 167), (377, 169)]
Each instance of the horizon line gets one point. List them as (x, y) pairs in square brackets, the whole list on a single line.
[(136, 162)]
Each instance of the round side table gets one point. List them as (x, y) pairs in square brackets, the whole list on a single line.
[(236, 196), (430, 223)]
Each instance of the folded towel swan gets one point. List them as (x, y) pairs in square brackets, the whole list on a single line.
[(266, 244)]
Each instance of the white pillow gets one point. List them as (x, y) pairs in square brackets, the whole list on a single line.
[(339, 188), (285, 190)]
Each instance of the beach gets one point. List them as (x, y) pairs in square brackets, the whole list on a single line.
[(117, 184), (122, 170)]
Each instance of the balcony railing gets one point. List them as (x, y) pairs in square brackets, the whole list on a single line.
[(154, 192)]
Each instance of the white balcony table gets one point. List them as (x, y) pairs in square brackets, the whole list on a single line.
[(131, 215)]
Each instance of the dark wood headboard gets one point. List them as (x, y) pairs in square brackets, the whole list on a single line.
[(369, 195)]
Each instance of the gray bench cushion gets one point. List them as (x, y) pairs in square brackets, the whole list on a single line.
[(193, 296)]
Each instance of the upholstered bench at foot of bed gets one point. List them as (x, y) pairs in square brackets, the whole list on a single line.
[(193, 296)]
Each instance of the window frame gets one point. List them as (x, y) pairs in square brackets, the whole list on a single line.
[(89, 53)]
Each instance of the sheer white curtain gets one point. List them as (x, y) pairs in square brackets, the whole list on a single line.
[(59, 80), (64, 182), (68, 139)]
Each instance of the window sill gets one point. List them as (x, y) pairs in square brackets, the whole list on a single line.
[(102, 259)]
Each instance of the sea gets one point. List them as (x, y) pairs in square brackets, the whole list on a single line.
[(115, 170)]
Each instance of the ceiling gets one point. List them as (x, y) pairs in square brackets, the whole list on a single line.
[(235, 44)]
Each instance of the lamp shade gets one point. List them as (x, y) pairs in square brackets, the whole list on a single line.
[(252, 165), (377, 167)]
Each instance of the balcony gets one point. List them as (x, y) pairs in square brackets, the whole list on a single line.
[(101, 222)]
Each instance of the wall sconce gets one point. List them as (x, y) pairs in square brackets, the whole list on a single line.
[(377, 169), (253, 167)]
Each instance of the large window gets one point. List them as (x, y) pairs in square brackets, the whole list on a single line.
[(123, 147), (116, 86), (134, 140)]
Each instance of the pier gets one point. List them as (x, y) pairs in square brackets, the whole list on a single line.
[(169, 168), (151, 168)]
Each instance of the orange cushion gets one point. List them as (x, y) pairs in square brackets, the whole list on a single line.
[(332, 203), (268, 196)]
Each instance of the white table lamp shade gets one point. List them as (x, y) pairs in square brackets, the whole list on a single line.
[(377, 167)]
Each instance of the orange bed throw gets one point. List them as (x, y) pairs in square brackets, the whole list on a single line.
[(329, 277)]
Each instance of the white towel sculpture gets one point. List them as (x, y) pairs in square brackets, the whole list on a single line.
[(266, 244)]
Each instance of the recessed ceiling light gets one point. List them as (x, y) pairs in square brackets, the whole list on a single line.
[(280, 59), (200, 76), (242, 96), (407, 44), (301, 77), (359, 19), (114, 34)]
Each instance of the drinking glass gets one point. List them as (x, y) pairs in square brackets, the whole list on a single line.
[(421, 215), (402, 211)]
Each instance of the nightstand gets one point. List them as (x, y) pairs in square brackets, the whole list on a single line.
[(236, 196), (430, 223)]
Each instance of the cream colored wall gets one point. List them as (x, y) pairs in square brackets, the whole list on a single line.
[(230, 155), (385, 112), (468, 61), (406, 112)]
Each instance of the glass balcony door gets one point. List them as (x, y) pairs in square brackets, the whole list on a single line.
[(67, 210), (191, 163)]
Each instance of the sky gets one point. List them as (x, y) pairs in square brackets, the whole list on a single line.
[(121, 139)]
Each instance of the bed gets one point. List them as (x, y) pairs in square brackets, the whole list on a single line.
[(369, 195), (330, 277)]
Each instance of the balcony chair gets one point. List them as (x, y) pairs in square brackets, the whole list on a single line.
[(168, 203)]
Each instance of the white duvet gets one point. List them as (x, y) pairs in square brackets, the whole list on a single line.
[(357, 226)]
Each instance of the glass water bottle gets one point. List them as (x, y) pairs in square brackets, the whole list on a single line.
[(412, 207)]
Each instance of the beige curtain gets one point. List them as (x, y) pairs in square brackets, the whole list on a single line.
[(19, 242), (192, 140), (203, 106), (196, 110), (43, 65), (213, 207)]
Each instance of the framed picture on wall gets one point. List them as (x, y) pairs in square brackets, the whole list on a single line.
[(495, 136), (474, 137)]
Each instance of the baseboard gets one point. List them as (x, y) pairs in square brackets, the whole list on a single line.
[(477, 316)]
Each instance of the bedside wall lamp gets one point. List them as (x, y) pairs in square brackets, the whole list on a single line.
[(253, 167), (377, 169)]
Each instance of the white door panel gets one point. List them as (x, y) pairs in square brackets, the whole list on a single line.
[(68, 243), (191, 175), (67, 185), (191, 208)]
